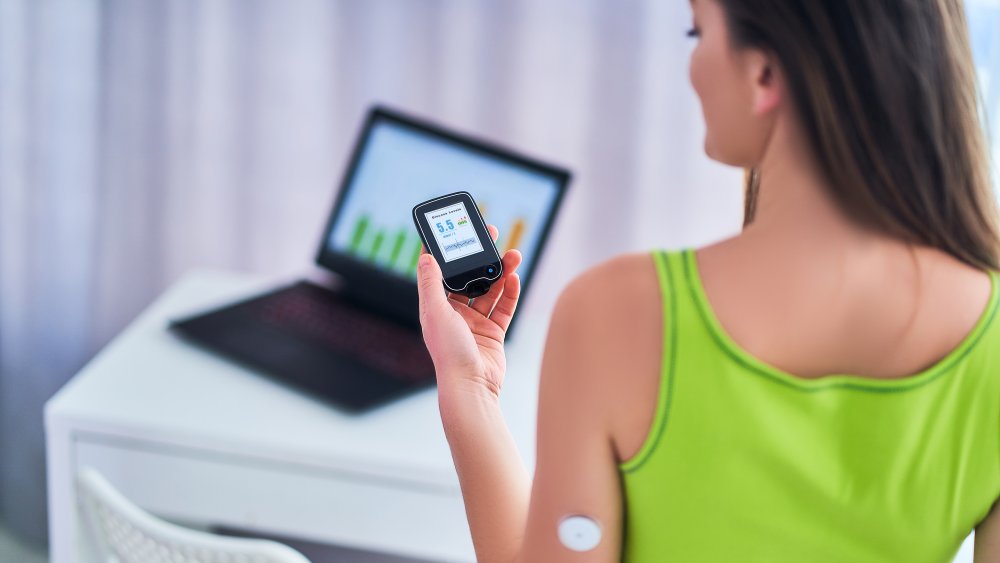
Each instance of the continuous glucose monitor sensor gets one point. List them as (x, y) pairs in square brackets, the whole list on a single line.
[(579, 533)]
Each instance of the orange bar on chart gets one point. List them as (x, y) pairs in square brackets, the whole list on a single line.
[(516, 232)]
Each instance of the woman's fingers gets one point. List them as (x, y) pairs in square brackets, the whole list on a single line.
[(504, 310), (485, 303)]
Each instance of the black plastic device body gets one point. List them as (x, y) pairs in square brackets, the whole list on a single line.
[(454, 233)]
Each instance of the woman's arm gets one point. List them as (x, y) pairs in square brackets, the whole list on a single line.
[(987, 546), (495, 484), (576, 469)]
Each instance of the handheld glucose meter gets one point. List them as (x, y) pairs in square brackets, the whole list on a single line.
[(454, 232)]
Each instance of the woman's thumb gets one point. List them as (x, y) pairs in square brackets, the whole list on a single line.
[(429, 286)]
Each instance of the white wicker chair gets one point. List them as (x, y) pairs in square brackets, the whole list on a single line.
[(121, 532)]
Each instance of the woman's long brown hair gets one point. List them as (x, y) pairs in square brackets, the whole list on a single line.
[(886, 92)]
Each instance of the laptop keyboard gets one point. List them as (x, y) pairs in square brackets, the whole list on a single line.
[(331, 321)]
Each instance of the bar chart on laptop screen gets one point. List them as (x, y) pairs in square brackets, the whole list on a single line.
[(397, 248), (401, 167)]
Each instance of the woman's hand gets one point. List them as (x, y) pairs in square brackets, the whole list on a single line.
[(466, 342)]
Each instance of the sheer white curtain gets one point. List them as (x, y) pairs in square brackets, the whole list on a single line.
[(139, 140), (984, 26)]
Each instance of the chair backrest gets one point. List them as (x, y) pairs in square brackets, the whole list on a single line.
[(124, 533)]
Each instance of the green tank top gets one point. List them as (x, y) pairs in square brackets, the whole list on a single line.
[(745, 462)]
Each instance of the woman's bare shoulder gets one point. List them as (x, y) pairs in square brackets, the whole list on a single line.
[(618, 278), (612, 314)]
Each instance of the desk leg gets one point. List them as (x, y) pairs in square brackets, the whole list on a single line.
[(66, 543)]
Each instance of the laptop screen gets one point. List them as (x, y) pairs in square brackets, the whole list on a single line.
[(401, 163)]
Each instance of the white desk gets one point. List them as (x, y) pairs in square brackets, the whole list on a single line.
[(194, 438)]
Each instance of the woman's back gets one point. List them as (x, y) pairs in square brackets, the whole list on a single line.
[(821, 308), (743, 431)]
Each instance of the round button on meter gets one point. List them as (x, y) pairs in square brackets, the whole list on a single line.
[(579, 533)]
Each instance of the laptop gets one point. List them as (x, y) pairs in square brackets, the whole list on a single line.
[(352, 337)]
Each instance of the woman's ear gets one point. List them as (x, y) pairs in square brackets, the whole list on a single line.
[(766, 86)]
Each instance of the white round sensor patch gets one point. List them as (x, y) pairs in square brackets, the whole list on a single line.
[(579, 533)]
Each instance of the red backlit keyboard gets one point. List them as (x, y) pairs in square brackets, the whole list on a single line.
[(329, 320)]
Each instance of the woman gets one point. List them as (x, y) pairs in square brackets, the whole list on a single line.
[(825, 386)]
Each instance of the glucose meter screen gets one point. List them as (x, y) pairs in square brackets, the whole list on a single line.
[(454, 233)]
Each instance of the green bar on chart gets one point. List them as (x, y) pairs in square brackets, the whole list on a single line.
[(397, 245), (417, 245), (359, 233), (376, 245)]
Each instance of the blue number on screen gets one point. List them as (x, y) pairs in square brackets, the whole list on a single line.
[(440, 228), (450, 224)]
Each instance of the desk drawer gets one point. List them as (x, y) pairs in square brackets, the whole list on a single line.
[(314, 504)]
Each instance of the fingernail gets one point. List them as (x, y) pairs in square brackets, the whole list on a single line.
[(425, 260)]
